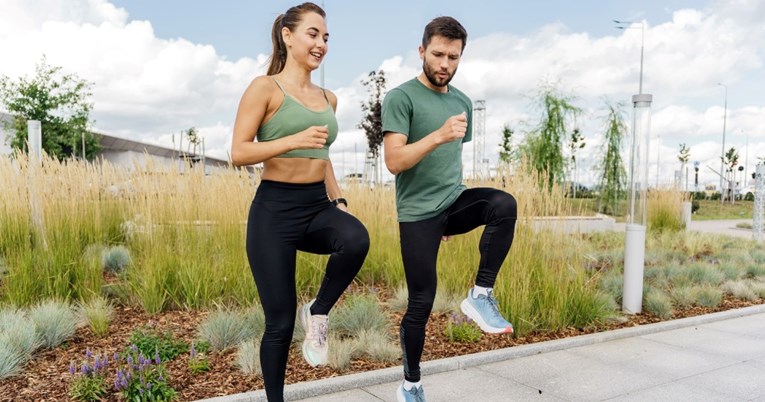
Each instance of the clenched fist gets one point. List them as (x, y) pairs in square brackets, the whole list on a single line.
[(313, 137), (454, 128)]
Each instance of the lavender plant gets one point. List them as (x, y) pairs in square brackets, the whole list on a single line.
[(142, 379), (461, 329), (89, 381)]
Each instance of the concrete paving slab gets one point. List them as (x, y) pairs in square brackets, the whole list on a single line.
[(356, 395), (753, 326), (744, 381), (713, 342), (650, 358), (675, 392)]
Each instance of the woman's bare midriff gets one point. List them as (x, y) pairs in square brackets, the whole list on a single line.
[(294, 170)]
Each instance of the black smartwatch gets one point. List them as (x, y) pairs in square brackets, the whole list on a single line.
[(340, 200)]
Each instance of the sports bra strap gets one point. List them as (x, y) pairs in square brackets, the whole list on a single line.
[(324, 91), (280, 86)]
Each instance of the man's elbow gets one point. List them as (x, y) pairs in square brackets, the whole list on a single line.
[(393, 167)]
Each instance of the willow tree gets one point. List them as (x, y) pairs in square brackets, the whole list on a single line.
[(613, 175), (544, 145)]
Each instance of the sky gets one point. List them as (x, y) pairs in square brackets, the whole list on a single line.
[(160, 67)]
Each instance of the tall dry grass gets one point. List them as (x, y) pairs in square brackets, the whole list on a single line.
[(185, 232)]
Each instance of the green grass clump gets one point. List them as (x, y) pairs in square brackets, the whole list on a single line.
[(358, 313), (341, 351), (116, 260), (248, 357), (55, 322), (459, 328), (378, 346), (740, 290), (152, 342), (683, 296), (18, 340), (658, 304), (96, 313), (708, 296), (705, 274), (224, 329)]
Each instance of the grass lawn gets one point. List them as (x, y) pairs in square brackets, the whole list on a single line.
[(708, 209)]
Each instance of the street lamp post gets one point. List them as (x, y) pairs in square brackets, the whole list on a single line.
[(629, 25), (722, 155)]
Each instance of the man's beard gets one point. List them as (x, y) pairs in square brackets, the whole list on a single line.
[(435, 81)]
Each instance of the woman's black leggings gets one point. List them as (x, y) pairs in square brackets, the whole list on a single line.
[(419, 248), (285, 218)]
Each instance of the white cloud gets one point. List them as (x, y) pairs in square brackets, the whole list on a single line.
[(148, 88)]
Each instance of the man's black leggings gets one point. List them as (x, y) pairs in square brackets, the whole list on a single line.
[(419, 248), (284, 218)]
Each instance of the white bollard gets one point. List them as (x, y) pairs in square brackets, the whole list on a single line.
[(759, 202), (634, 260), (687, 208)]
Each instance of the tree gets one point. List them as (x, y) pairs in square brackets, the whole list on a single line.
[(61, 102), (576, 142), (613, 176), (544, 146), (506, 152), (371, 121), (683, 157), (730, 161)]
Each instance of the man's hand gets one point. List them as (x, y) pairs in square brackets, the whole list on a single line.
[(454, 128)]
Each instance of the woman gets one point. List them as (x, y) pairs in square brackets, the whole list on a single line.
[(298, 204)]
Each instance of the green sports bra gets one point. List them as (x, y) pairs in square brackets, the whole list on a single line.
[(291, 118)]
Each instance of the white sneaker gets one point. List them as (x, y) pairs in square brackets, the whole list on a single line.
[(315, 345)]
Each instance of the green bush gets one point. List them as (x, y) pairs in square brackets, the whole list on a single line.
[(149, 341), (709, 296), (377, 346)]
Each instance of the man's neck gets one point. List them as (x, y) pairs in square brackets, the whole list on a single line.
[(425, 81)]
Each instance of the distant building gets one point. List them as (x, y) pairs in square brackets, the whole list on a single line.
[(130, 153)]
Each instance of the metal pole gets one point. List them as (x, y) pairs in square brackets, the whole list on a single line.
[(722, 156)]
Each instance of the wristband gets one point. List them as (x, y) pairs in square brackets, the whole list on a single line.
[(340, 200)]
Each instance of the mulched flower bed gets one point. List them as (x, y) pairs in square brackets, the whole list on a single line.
[(46, 377)]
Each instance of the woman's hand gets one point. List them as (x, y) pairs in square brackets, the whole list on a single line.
[(313, 137)]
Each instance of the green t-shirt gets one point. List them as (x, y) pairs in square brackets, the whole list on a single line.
[(435, 182)]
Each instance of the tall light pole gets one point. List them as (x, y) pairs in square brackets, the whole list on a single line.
[(722, 155), (624, 25), (630, 25)]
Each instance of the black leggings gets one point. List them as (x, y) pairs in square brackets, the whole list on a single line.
[(284, 218), (419, 248)]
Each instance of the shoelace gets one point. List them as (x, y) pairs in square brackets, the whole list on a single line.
[(419, 396), (494, 304), (319, 328)]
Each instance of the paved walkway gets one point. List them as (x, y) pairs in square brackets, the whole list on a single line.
[(714, 357)]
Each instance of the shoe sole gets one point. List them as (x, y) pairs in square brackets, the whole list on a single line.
[(304, 323), (473, 314)]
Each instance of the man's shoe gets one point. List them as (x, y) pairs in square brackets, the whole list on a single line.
[(416, 394), (484, 310), (315, 345)]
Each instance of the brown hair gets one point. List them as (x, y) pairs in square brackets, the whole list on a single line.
[(447, 27), (289, 20)]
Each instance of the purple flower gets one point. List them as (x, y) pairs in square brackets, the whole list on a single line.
[(88, 353), (193, 351), (157, 360), (116, 356), (72, 368)]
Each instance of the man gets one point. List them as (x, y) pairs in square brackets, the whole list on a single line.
[(425, 123)]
